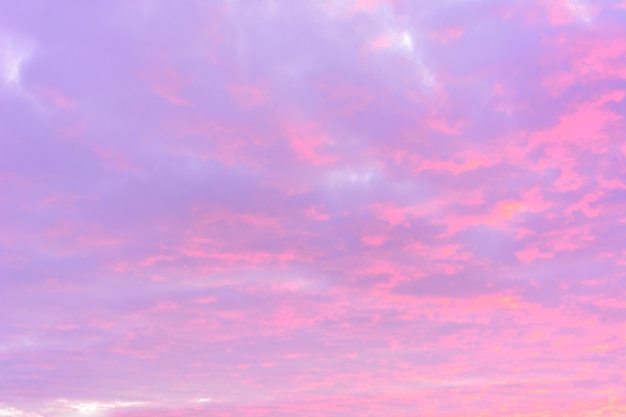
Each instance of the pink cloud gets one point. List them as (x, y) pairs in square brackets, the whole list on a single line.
[(309, 208), (306, 139)]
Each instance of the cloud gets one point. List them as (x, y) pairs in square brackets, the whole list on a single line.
[(13, 55), (310, 208)]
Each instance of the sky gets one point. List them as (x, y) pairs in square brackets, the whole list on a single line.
[(250, 208)]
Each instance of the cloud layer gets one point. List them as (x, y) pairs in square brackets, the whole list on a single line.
[(312, 208)]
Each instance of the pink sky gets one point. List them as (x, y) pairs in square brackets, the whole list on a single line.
[(316, 208)]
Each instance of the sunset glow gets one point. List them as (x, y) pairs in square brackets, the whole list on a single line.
[(312, 208)]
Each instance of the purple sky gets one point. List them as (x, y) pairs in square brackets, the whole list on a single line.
[(312, 208)]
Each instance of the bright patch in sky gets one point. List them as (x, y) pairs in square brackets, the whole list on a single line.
[(580, 9), (12, 57)]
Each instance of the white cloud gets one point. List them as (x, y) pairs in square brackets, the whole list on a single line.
[(11, 412), (352, 177), (407, 41), (95, 408), (204, 400), (580, 9), (13, 54)]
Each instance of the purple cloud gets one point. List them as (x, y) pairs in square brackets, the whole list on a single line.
[(276, 208)]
